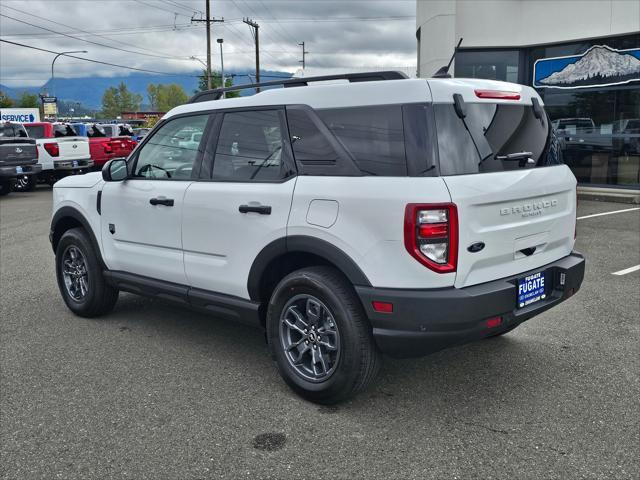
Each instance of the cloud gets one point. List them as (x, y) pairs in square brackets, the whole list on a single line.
[(344, 35)]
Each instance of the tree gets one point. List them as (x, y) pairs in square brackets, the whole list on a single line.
[(5, 101), (28, 100), (164, 97), (216, 81), (116, 100)]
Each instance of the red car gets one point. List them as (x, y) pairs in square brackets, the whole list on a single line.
[(104, 147)]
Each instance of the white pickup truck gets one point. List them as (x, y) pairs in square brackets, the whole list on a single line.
[(61, 152)]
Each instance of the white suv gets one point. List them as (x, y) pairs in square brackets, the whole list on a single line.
[(378, 215)]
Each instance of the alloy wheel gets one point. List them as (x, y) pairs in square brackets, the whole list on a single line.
[(310, 337), (74, 273)]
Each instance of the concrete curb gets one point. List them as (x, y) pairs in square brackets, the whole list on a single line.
[(617, 195)]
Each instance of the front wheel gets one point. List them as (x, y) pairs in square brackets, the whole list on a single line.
[(319, 336), (80, 277)]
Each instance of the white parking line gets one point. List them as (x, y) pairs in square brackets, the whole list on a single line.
[(627, 270), (609, 213)]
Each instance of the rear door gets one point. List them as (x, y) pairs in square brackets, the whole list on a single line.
[(502, 167), (242, 203)]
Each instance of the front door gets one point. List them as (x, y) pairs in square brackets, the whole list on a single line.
[(142, 216)]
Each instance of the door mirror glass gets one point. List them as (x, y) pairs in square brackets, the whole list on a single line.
[(114, 170)]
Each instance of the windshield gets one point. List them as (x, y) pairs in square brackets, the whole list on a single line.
[(493, 138)]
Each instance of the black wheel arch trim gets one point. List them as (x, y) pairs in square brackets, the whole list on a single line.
[(303, 244), (70, 212)]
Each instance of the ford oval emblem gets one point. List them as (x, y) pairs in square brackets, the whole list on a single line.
[(475, 247), (75, 146)]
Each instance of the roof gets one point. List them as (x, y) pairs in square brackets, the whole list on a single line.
[(336, 95)]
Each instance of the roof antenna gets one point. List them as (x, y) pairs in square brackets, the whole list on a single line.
[(443, 72)]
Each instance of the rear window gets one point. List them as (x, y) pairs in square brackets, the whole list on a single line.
[(64, 130), (36, 131), (96, 131), (6, 130), (373, 135), (493, 138)]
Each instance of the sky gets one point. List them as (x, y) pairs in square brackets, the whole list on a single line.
[(158, 35)]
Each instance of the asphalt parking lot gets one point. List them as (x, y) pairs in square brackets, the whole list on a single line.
[(156, 392)]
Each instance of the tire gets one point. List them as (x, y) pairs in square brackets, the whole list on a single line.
[(26, 183), (5, 188), (85, 291), (328, 304)]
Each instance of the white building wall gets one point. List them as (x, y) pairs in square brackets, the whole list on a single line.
[(515, 23)]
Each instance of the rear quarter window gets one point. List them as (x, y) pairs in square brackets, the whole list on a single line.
[(373, 135)]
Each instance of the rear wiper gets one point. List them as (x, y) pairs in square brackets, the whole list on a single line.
[(516, 156), (523, 158)]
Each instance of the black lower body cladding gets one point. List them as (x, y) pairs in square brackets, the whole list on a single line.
[(425, 321)]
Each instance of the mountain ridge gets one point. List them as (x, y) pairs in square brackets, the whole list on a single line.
[(88, 91)]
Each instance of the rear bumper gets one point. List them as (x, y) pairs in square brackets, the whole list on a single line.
[(11, 172), (72, 165), (425, 321)]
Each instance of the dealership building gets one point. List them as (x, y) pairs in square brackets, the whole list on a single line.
[(583, 58)]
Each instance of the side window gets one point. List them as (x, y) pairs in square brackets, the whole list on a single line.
[(308, 142), (171, 152), (373, 135), (250, 147)]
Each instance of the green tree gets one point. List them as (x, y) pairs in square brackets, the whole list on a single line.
[(216, 81), (28, 100), (163, 98), (116, 100), (5, 101)]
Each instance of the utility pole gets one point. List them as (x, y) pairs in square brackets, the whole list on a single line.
[(304, 53), (208, 22), (254, 30)]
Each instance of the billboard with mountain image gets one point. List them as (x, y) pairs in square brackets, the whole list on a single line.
[(598, 66)]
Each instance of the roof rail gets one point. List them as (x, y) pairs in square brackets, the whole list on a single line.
[(216, 93)]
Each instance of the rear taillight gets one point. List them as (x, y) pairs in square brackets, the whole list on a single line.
[(107, 147), (497, 94), (52, 149), (431, 235)]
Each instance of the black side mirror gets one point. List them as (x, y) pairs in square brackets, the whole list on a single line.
[(115, 170)]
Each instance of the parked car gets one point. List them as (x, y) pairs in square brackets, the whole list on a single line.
[(347, 220), (140, 133), (18, 156), (122, 143), (61, 151), (100, 144)]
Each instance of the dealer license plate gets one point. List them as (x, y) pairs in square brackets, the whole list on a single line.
[(75, 163), (531, 289), (19, 170)]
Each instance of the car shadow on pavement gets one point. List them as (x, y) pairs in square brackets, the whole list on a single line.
[(488, 372)]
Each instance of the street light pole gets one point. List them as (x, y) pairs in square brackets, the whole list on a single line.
[(222, 84), (54, 61)]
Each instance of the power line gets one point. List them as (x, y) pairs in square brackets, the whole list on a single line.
[(161, 8), (83, 31), (96, 61), (92, 42), (277, 22)]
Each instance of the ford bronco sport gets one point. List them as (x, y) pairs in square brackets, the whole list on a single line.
[(376, 215)]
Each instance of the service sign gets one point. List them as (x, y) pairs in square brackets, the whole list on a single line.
[(599, 66), (20, 115)]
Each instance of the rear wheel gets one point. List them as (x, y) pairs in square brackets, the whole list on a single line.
[(80, 277), (319, 336), (5, 187), (26, 183)]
